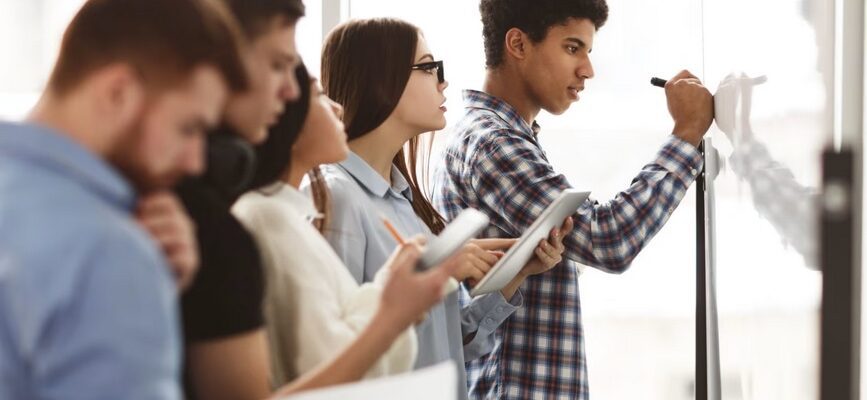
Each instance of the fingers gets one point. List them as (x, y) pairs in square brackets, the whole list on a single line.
[(161, 213), (567, 227), (494, 244), (556, 241), (548, 258), (159, 202), (553, 250), (160, 224), (184, 275), (479, 267), (418, 240), (684, 74), (486, 256), (404, 258), (446, 269)]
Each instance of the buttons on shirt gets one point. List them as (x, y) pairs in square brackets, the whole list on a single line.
[(694, 172)]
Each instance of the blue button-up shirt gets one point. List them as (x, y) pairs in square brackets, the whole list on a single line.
[(87, 305), (359, 195), (494, 163)]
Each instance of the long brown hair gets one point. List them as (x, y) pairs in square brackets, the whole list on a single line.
[(366, 65)]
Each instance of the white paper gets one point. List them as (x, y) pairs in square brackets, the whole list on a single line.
[(438, 382)]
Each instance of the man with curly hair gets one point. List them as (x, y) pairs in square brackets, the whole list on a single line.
[(538, 58)]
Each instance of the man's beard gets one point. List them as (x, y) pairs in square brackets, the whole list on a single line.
[(127, 157)]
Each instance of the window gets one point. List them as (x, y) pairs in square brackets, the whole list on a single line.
[(30, 33)]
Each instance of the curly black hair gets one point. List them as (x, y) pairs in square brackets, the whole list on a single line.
[(534, 17)]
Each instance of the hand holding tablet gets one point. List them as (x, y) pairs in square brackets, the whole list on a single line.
[(514, 260)]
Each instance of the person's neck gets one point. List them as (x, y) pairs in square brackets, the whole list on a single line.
[(295, 174), (70, 117), (506, 84), (379, 147)]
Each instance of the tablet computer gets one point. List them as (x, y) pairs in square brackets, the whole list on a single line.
[(464, 227), (518, 255)]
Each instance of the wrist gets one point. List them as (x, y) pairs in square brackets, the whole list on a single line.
[(687, 134), (388, 324)]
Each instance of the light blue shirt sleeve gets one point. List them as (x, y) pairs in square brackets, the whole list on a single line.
[(480, 318), (96, 321)]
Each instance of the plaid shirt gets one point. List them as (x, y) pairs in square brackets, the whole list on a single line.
[(495, 164)]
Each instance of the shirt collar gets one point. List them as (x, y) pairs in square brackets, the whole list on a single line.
[(367, 177), (48, 148), (481, 100)]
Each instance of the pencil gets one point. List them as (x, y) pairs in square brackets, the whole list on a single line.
[(393, 231)]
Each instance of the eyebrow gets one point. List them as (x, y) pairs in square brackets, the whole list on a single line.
[(426, 56), (580, 43), (286, 56)]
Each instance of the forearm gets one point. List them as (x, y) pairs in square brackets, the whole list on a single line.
[(609, 236), (510, 289), (351, 364)]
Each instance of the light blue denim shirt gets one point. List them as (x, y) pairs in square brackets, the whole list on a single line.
[(87, 304), (359, 196)]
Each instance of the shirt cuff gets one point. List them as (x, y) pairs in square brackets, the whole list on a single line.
[(490, 310), (482, 317), (681, 159)]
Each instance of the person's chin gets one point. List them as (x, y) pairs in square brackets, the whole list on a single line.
[(441, 124), (556, 109), (257, 136)]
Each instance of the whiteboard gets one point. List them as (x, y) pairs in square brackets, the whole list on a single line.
[(771, 66)]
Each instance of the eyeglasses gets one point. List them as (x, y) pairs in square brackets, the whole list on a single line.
[(428, 66)]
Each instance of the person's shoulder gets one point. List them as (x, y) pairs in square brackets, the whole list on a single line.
[(344, 191), (335, 175), (481, 128), (480, 121), (60, 213), (251, 204), (65, 249), (259, 211)]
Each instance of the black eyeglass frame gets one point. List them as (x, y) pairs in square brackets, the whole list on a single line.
[(441, 74)]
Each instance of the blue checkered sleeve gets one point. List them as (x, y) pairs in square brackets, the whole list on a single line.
[(512, 177)]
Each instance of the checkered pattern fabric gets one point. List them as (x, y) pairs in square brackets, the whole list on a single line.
[(494, 163)]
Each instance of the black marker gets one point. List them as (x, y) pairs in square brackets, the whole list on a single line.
[(658, 82)]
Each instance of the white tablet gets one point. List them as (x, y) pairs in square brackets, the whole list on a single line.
[(464, 227), (518, 255)]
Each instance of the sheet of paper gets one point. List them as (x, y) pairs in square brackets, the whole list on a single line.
[(438, 382)]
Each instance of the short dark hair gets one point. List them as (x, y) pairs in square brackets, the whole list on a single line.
[(164, 40), (534, 17), (256, 16)]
